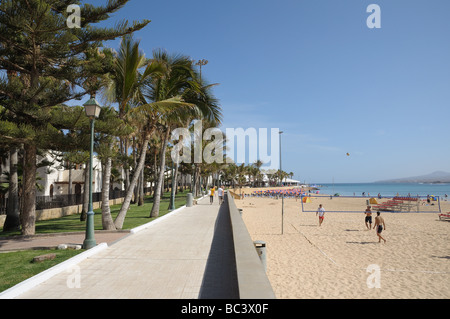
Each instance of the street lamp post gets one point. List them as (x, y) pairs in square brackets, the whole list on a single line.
[(200, 63), (92, 109), (282, 195), (281, 181), (172, 191)]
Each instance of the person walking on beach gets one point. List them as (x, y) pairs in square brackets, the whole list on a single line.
[(368, 218), (379, 225), (211, 195), (321, 212)]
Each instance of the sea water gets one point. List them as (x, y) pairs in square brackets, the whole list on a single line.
[(386, 189)]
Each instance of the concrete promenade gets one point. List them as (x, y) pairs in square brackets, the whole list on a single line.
[(167, 258)]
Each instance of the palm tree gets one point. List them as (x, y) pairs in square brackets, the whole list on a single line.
[(105, 154), (176, 80), (241, 171), (146, 115), (257, 164), (123, 85), (230, 174), (155, 99), (211, 115), (111, 127)]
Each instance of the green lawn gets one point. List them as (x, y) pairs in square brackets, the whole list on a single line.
[(17, 266), (136, 216)]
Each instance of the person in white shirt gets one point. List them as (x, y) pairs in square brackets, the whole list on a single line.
[(220, 194), (321, 212)]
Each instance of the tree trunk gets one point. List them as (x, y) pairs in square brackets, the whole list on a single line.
[(165, 180), (173, 190), (141, 189), (155, 174), (157, 197), (85, 208), (127, 169), (136, 188), (197, 184), (107, 221), (176, 177), (182, 182), (28, 217), (12, 221), (194, 181), (118, 222), (70, 184)]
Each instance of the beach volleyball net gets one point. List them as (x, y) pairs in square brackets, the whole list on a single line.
[(353, 204)]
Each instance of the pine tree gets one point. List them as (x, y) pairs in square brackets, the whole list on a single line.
[(50, 63)]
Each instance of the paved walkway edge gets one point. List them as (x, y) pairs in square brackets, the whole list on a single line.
[(32, 282), (153, 222)]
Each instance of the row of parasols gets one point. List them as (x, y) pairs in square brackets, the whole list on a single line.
[(293, 192)]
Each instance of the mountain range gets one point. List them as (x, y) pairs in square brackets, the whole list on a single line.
[(435, 177)]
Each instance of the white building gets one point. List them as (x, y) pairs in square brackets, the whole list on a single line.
[(54, 179), (291, 182)]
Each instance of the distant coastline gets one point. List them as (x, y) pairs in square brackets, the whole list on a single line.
[(438, 177), (412, 182)]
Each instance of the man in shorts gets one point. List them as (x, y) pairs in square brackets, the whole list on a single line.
[(321, 212), (220, 194), (368, 218), (379, 226)]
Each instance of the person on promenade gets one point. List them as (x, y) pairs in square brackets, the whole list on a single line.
[(220, 194), (368, 218), (211, 195), (321, 212), (379, 225)]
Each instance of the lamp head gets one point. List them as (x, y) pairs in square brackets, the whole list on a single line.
[(92, 108)]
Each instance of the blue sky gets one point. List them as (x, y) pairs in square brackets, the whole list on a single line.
[(315, 70)]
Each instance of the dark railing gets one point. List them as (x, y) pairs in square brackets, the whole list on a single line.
[(58, 201)]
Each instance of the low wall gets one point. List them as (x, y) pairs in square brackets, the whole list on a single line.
[(52, 213), (252, 279)]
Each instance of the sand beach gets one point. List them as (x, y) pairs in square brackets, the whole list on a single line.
[(341, 258)]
